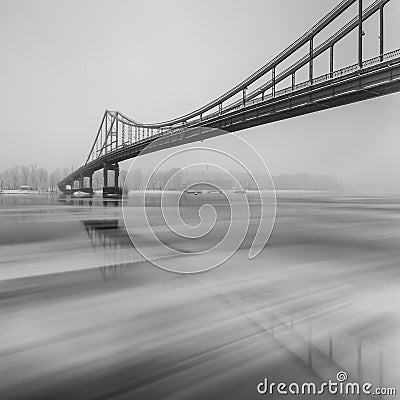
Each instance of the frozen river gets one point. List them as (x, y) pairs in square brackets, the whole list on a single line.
[(84, 316)]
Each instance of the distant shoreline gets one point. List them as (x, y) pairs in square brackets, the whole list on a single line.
[(18, 191)]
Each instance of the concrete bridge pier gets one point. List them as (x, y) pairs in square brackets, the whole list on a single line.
[(111, 188), (82, 181), (75, 186)]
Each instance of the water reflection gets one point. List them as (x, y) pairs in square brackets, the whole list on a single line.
[(326, 351), (113, 246), (83, 316), (318, 341), (88, 201)]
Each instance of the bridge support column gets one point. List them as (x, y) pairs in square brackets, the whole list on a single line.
[(82, 187), (311, 66), (273, 82), (81, 183), (114, 190), (105, 177), (381, 33), (360, 33)]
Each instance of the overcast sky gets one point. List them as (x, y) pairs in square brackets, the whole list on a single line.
[(64, 62)]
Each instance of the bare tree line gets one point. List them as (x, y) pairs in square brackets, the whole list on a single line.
[(174, 179), (36, 177), (39, 178)]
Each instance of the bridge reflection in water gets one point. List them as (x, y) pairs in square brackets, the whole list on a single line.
[(113, 246), (322, 297), (321, 348)]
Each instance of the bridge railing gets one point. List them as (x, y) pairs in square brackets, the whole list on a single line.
[(118, 131), (114, 140), (324, 78), (328, 44), (290, 89), (134, 134)]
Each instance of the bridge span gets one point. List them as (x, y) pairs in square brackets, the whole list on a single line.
[(120, 138)]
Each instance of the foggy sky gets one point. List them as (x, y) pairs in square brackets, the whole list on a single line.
[(64, 62)]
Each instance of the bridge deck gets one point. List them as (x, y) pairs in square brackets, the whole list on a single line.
[(325, 92)]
